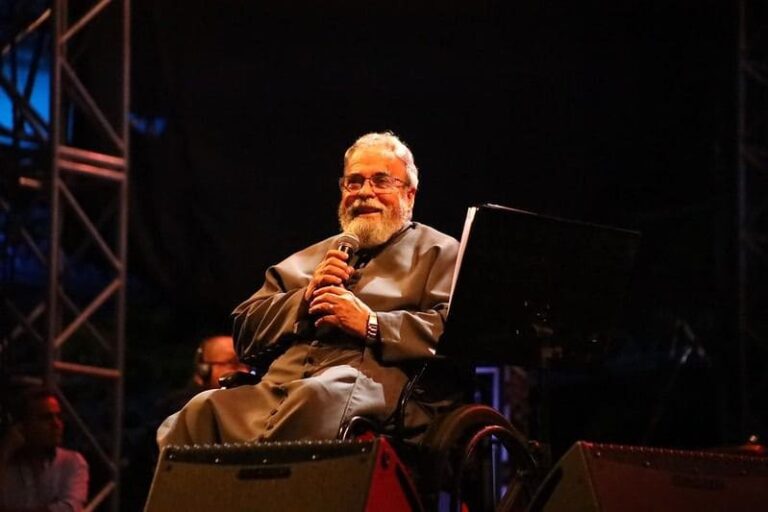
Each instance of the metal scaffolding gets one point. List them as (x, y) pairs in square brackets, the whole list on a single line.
[(64, 213), (752, 194)]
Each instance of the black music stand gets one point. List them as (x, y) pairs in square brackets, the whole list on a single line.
[(530, 287), (522, 277)]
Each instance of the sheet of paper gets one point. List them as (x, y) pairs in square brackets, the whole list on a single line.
[(462, 245)]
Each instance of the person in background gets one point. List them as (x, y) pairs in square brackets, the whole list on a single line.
[(214, 357), (36, 473)]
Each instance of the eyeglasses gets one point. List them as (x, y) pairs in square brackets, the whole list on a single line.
[(381, 183)]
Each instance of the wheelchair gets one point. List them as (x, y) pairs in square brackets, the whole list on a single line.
[(451, 462)]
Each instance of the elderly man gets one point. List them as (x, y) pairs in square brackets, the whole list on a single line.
[(335, 331)]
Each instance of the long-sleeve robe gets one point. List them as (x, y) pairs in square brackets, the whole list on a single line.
[(319, 380)]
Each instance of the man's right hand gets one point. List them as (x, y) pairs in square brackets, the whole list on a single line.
[(332, 271)]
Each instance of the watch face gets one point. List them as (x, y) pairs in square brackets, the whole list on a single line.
[(372, 328)]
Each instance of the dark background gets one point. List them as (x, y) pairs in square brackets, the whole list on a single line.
[(621, 113)]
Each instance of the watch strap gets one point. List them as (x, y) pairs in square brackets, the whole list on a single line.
[(372, 330)]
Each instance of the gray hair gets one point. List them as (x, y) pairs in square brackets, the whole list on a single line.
[(390, 141)]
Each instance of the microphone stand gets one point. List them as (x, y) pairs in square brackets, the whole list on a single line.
[(681, 355), (548, 351)]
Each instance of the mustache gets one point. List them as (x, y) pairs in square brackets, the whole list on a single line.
[(368, 203)]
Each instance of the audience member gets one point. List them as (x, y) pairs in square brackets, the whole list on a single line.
[(214, 357), (36, 474)]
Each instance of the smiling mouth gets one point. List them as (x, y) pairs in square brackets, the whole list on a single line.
[(365, 211)]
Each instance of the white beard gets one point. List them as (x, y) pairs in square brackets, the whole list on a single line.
[(373, 232)]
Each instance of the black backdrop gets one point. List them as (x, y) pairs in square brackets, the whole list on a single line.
[(615, 112), (619, 112)]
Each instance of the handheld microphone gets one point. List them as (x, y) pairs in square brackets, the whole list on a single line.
[(348, 243)]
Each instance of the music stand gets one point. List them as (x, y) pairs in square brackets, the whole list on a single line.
[(522, 278), (530, 288)]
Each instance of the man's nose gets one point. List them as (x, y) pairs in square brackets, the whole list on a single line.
[(366, 189)]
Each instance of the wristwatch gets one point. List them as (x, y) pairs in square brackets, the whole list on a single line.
[(372, 330)]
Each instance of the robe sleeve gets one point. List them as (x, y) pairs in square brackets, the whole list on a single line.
[(408, 288), (270, 317), (410, 333), (277, 314)]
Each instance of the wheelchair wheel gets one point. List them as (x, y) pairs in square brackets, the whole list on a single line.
[(452, 462)]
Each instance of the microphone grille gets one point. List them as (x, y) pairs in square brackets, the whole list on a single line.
[(348, 240)]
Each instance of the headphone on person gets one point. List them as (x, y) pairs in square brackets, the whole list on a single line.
[(202, 369)]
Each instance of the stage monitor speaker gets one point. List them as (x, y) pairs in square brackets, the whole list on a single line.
[(613, 478), (316, 476)]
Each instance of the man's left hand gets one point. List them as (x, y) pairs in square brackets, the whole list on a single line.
[(340, 308)]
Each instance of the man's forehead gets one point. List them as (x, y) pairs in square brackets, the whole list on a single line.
[(219, 345), (44, 405), (374, 156)]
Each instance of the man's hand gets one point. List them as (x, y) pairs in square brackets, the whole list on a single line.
[(332, 271), (340, 308)]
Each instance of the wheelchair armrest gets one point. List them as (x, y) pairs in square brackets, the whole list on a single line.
[(438, 382), (358, 426), (235, 379)]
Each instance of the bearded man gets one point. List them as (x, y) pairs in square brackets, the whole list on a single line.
[(333, 337)]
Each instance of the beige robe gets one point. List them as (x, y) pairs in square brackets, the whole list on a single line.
[(318, 381)]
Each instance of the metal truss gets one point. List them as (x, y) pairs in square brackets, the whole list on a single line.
[(752, 193), (64, 215)]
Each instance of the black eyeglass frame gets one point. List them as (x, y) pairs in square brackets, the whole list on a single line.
[(392, 183)]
